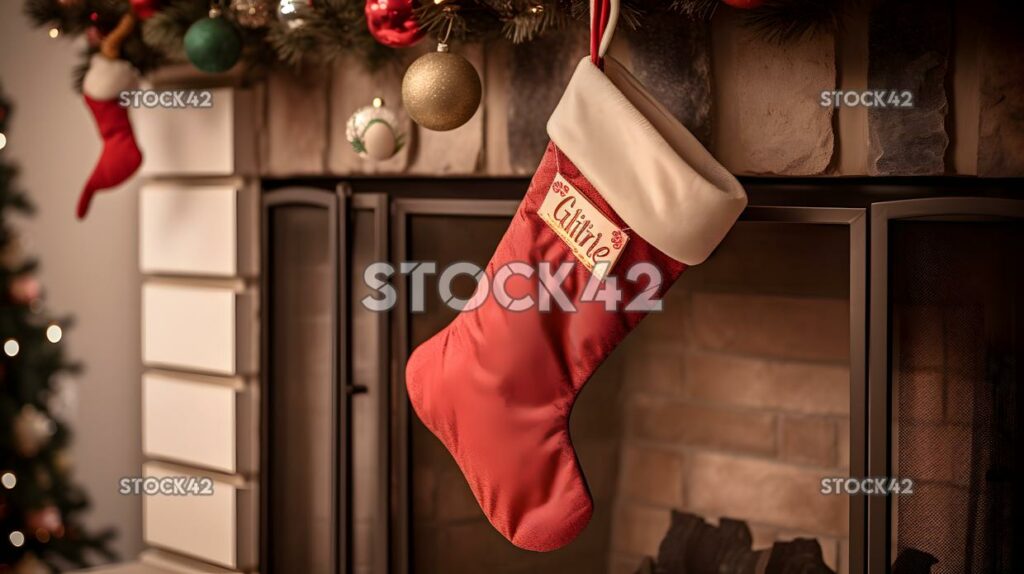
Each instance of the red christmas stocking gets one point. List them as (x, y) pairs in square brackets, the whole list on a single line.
[(622, 186), (121, 157)]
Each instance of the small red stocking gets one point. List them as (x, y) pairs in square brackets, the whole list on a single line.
[(121, 157), (622, 182)]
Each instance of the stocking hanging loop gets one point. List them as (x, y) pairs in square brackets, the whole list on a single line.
[(604, 14)]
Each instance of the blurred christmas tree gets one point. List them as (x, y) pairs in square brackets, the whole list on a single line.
[(40, 508)]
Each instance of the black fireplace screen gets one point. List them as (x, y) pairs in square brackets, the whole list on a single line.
[(957, 293)]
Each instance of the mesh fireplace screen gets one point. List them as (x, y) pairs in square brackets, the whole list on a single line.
[(957, 295)]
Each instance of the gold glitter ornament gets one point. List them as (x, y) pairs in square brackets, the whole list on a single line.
[(252, 13), (440, 90)]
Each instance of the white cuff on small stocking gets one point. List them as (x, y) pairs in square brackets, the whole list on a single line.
[(649, 168), (107, 78)]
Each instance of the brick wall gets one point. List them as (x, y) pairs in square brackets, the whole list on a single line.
[(737, 397), (734, 401)]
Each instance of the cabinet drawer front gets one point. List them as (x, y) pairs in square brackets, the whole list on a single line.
[(218, 527), (201, 423), (207, 329), (197, 230), (210, 141)]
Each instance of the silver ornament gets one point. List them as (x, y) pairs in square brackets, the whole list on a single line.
[(293, 13), (373, 131)]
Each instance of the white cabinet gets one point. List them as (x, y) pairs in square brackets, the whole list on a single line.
[(202, 421), (189, 229), (218, 527), (219, 140), (209, 329)]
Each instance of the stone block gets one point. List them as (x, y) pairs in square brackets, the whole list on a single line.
[(671, 56), (909, 47)]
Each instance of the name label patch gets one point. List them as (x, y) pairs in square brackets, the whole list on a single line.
[(589, 234)]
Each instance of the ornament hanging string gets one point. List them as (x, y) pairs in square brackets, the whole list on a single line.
[(442, 41)]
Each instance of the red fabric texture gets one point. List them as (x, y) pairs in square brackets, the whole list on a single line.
[(121, 157), (497, 386)]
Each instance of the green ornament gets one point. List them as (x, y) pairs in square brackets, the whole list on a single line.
[(213, 44)]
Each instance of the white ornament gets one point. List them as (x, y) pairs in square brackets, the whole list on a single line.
[(373, 132), (32, 430)]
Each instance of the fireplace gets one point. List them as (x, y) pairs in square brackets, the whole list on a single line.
[(843, 329)]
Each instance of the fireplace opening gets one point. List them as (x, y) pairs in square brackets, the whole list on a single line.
[(732, 403)]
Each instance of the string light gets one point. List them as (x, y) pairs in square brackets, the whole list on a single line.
[(9, 480), (378, 102), (54, 333), (17, 538), (54, 32), (3, 140), (11, 347)]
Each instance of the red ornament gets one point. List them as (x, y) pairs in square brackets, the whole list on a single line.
[(145, 9), (393, 23), (744, 4), (25, 289)]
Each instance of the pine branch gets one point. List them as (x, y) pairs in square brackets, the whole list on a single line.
[(71, 20), (165, 31), (334, 28), (782, 21), (697, 9), (527, 21)]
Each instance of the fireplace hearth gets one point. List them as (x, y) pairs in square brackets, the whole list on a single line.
[(843, 329)]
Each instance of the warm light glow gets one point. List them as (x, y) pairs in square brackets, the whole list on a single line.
[(11, 347), (378, 102), (3, 140), (54, 333), (54, 32), (9, 480), (17, 538)]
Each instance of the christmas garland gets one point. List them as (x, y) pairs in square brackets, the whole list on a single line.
[(296, 32)]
